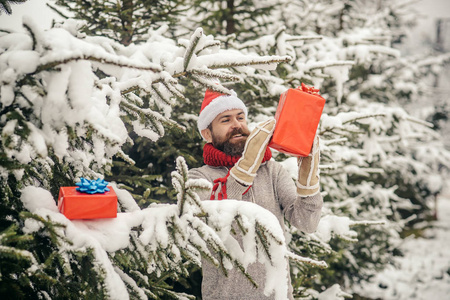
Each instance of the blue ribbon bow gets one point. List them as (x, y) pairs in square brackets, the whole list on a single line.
[(92, 186)]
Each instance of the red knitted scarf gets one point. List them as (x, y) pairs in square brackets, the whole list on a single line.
[(216, 158)]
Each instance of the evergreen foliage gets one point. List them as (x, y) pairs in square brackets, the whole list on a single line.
[(5, 5), (65, 114), (141, 69), (373, 165), (125, 21)]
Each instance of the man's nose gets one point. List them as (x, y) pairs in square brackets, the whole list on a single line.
[(236, 123)]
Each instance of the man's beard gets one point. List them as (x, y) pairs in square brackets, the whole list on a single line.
[(228, 147)]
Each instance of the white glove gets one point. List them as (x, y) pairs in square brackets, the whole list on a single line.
[(244, 171), (308, 171)]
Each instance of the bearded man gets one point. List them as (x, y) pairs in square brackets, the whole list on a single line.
[(238, 163)]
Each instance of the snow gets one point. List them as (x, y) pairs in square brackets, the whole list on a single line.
[(109, 235), (24, 61), (35, 198), (75, 97), (423, 272), (83, 235), (334, 292), (330, 225)]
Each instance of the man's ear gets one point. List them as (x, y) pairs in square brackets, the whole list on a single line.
[(207, 135)]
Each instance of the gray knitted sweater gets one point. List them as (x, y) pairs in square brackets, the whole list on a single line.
[(273, 189)]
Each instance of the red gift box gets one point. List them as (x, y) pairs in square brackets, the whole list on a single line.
[(77, 205), (298, 115)]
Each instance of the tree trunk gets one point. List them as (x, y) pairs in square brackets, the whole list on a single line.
[(126, 16), (229, 18)]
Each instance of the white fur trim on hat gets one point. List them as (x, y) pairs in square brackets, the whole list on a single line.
[(218, 106)]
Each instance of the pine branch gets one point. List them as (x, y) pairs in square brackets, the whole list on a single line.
[(335, 141), (195, 38), (364, 116), (327, 64), (270, 234), (421, 122), (131, 283), (366, 223), (125, 157), (58, 11), (279, 32), (293, 38), (51, 227), (102, 60), (186, 187), (215, 74), (206, 254), (259, 230), (170, 86), (32, 34), (148, 115), (208, 44), (17, 255), (210, 84), (226, 62), (195, 199), (238, 219), (301, 259), (352, 120), (219, 248)]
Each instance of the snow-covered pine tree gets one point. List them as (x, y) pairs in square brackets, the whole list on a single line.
[(373, 149), (346, 169), (148, 178), (123, 21), (66, 101), (230, 18), (380, 160)]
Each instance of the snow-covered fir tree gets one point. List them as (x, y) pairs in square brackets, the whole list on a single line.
[(66, 101), (380, 162), (117, 94)]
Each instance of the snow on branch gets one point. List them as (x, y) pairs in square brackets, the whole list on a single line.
[(165, 239), (237, 59), (419, 121), (360, 50), (209, 44), (292, 38), (331, 225), (327, 64), (307, 260), (51, 61), (329, 123), (366, 223), (195, 38), (221, 74), (68, 93), (186, 187)]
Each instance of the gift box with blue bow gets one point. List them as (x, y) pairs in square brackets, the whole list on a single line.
[(90, 199)]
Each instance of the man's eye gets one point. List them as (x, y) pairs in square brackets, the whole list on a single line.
[(225, 120)]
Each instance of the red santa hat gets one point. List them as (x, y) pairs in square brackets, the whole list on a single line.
[(216, 103)]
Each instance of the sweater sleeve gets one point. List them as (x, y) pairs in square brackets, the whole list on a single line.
[(301, 212), (198, 174)]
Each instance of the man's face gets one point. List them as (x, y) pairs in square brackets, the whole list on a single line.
[(228, 132)]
